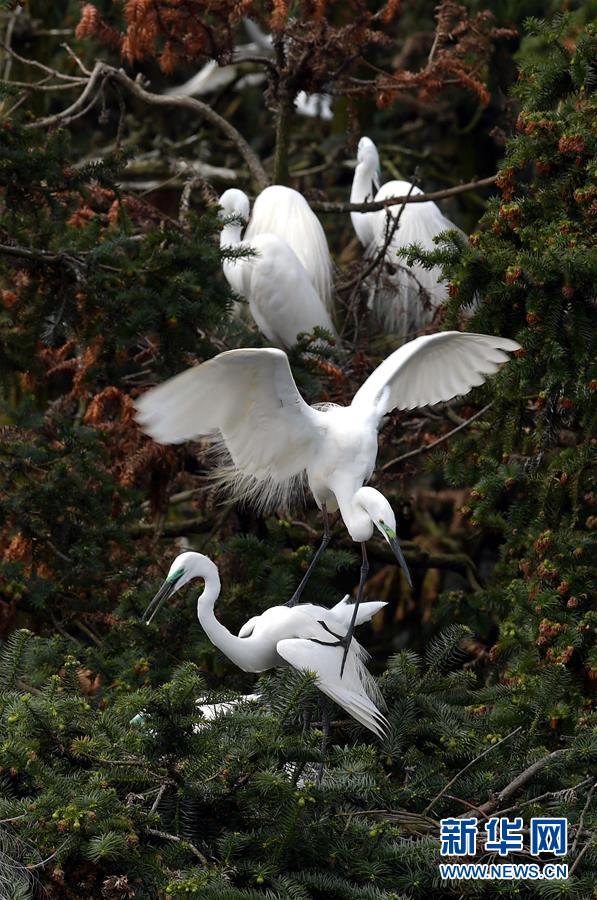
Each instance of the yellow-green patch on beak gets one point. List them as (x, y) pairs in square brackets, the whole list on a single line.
[(392, 539)]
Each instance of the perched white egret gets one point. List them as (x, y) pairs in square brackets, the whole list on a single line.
[(281, 297), (404, 298), (305, 637), (284, 212), (247, 400)]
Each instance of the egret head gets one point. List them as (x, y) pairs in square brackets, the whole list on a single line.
[(185, 567), (368, 157), (235, 203), (382, 515)]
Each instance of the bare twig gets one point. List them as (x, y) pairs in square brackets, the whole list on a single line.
[(175, 839), (467, 767), (37, 65), (580, 856), (158, 799), (427, 447), (328, 206), (74, 56), (582, 818), (102, 72), (521, 780), (197, 525)]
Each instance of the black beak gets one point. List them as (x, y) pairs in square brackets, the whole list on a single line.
[(395, 545), (164, 593)]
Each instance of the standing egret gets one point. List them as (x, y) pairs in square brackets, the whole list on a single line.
[(404, 298), (284, 212), (306, 637), (248, 401), (281, 297)]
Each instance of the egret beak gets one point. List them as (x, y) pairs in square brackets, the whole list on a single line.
[(164, 594), (392, 539)]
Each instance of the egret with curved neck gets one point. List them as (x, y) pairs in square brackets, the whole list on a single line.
[(306, 637), (273, 441)]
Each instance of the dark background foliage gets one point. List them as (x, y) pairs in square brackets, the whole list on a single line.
[(111, 783)]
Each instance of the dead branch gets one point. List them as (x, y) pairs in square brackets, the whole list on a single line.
[(327, 206), (103, 72), (425, 448), (467, 767)]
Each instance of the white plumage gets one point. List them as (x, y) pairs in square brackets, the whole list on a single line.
[(404, 298), (248, 400), (284, 212), (281, 296), (306, 638)]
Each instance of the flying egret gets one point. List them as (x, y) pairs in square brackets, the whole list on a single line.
[(404, 298), (281, 297), (305, 637), (248, 402), (284, 212)]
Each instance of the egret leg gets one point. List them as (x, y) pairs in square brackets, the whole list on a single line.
[(360, 593), (327, 536)]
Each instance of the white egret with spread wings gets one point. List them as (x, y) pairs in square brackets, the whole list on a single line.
[(306, 637), (247, 400)]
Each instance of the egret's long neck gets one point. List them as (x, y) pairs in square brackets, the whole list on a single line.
[(237, 649), (363, 189)]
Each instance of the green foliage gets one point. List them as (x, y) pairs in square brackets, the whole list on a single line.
[(144, 787), (531, 264), (113, 781)]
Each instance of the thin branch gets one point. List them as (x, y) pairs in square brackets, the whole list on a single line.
[(521, 780), (102, 71), (197, 525), (580, 856), (545, 796), (175, 839), (37, 65), (467, 767), (582, 818), (327, 206), (27, 253), (74, 56), (427, 447), (42, 85)]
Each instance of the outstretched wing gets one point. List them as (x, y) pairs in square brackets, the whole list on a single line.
[(433, 368), (352, 691), (251, 399)]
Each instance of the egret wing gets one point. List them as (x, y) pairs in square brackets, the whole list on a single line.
[(248, 396), (286, 213), (433, 368), (351, 692)]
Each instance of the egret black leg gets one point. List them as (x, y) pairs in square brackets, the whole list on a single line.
[(360, 592), (326, 728), (325, 541)]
